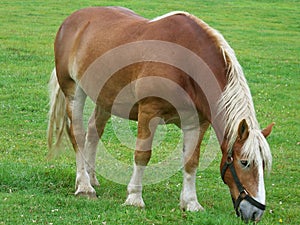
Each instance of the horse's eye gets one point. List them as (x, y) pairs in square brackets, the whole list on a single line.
[(245, 163)]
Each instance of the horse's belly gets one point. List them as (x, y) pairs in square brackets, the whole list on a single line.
[(125, 110)]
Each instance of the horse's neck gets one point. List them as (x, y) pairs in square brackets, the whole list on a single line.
[(219, 128)]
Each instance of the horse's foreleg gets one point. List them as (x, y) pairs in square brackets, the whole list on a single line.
[(147, 123), (134, 188), (96, 126), (191, 153)]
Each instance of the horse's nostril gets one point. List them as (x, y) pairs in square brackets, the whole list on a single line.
[(256, 216), (253, 216)]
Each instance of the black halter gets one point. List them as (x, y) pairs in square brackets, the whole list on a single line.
[(244, 195)]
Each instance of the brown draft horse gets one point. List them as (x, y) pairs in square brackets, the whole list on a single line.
[(172, 69)]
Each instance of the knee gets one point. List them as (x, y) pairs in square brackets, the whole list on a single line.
[(142, 158), (191, 162)]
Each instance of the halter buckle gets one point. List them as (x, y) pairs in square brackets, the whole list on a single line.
[(229, 160)]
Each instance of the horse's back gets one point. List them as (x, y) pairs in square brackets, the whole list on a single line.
[(93, 31), (89, 33)]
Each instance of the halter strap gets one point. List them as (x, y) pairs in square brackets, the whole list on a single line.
[(243, 194)]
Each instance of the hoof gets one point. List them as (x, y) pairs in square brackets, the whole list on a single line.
[(193, 206), (135, 200), (86, 194)]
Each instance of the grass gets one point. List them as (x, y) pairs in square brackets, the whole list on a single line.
[(265, 36)]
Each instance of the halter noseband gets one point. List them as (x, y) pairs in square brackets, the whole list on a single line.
[(244, 195)]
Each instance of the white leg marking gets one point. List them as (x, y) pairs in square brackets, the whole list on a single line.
[(134, 187), (90, 148), (90, 152), (188, 197), (83, 185)]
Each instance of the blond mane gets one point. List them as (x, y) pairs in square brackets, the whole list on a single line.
[(235, 103)]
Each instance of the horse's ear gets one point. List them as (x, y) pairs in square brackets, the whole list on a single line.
[(243, 131), (266, 132)]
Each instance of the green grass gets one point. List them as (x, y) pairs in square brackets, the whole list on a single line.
[(265, 36)]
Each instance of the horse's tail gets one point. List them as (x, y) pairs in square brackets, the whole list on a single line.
[(58, 125)]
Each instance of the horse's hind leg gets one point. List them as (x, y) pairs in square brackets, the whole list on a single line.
[(95, 130), (191, 153), (147, 123), (75, 105)]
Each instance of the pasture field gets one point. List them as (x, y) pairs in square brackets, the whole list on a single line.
[(265, 35)]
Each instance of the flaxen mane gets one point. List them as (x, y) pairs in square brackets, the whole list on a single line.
[(236, 101)]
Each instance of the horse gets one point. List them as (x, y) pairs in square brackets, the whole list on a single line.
[(173, 69)]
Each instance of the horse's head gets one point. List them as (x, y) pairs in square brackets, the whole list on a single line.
[(242, 169)]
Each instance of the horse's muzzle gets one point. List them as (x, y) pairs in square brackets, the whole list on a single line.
[(249, 212)]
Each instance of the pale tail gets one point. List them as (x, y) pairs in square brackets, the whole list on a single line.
[(58, 120)]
